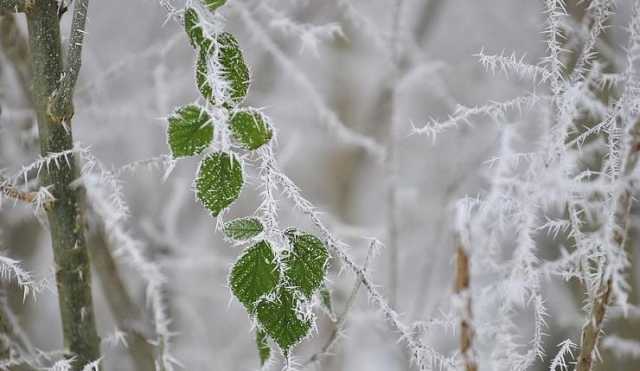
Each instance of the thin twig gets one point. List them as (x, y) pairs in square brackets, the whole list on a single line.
[(10, 191), (332, 121), (126, 314), (339, 322)]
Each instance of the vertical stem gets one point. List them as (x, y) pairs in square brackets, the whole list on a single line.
[(391, 166), (593, 326), (616, 239), (65, 215), (126, 313), (391, 171), (461, 288)]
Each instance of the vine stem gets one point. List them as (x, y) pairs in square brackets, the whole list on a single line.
[(416, 347), (66, 219), (339, 322)]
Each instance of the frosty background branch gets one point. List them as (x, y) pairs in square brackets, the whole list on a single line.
[(319, 185)]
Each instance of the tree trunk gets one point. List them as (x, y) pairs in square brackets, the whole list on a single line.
[(65, 215)]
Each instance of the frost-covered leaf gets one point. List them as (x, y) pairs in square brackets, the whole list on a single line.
[(190, 131), (219, 181), (254, 275), (306, 262), (243, 229), (280, 319), (202, 80), (194, 30), (263, 347), (214, 4), (234, 69), (250, 128)]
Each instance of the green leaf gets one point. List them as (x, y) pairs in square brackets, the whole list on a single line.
[(195, 31), (190, 131), (202, 81), (263, 347), (212, 5), (219, 181), (234, 69), (254, 275), (280, 319), (249, 127), (243, 229), (306, 262)]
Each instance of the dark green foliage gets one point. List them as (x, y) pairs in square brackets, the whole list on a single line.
[(202, 82), (254, 275), (212, 5), (306, 262), (190, 131), (194, 30), (280, 319), (243, 229), (249, 127), (234, 69), (263, 347), (219, 181)]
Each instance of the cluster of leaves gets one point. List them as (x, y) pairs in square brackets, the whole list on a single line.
[(275, 285)]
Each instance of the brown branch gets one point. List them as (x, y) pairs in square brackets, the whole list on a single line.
[(461, 288), (10, 191), (617, 239)]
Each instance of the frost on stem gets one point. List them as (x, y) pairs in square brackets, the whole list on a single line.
[(106, 198), (463, 293), (559, 362)]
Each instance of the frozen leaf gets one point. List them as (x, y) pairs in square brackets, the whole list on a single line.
[(306, 262), (250, 128), (254, 275), (219, 181), (202, 81), (243, 229), (263, 347), (190, 131), (234, 69), (195, 31), (212, 5), (280, 319)]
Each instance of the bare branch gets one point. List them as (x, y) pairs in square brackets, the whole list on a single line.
[(461, 288), (10, 191), (126, 313)]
